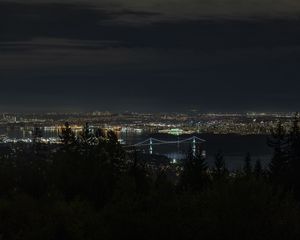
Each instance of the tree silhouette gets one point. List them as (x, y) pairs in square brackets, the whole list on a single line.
[(67, 135), (194, 176), (100, 136), (247, 165), (220, 167), (279, 163), (117, 153), (258, 171), (86, 137), (73, 195), (37, 135), (294, 156)]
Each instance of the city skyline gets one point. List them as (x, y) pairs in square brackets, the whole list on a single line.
[(149, 56)]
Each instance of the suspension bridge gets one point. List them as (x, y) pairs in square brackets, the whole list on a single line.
[(151, 142)]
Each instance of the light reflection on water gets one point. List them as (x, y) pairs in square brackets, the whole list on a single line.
[(234, 147)]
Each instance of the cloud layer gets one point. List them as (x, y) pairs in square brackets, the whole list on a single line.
[(150, 55), (198, 8)]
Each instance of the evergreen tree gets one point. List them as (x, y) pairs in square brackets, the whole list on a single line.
[(279, 163), (258, 171), (36, 141), (86, 136), (294, 156), (247, 165), (100, 136), (87, 142), (67, 135), (194, 176), (37, 135), (220, 167), (115, 151)]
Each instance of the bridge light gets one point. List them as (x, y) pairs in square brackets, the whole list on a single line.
[(150, 147)]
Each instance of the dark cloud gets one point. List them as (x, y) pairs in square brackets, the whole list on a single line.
[(194, 9), (21, 21), (78, 56)]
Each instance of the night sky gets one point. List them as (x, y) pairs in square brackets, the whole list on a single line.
[(154, 55)]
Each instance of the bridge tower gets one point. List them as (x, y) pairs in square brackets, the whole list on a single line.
[(194, 146), (150, 147)]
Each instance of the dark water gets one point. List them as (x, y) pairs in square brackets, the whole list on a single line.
[(234, 147)]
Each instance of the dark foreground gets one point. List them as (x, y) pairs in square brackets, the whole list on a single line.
[(90, 188)]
